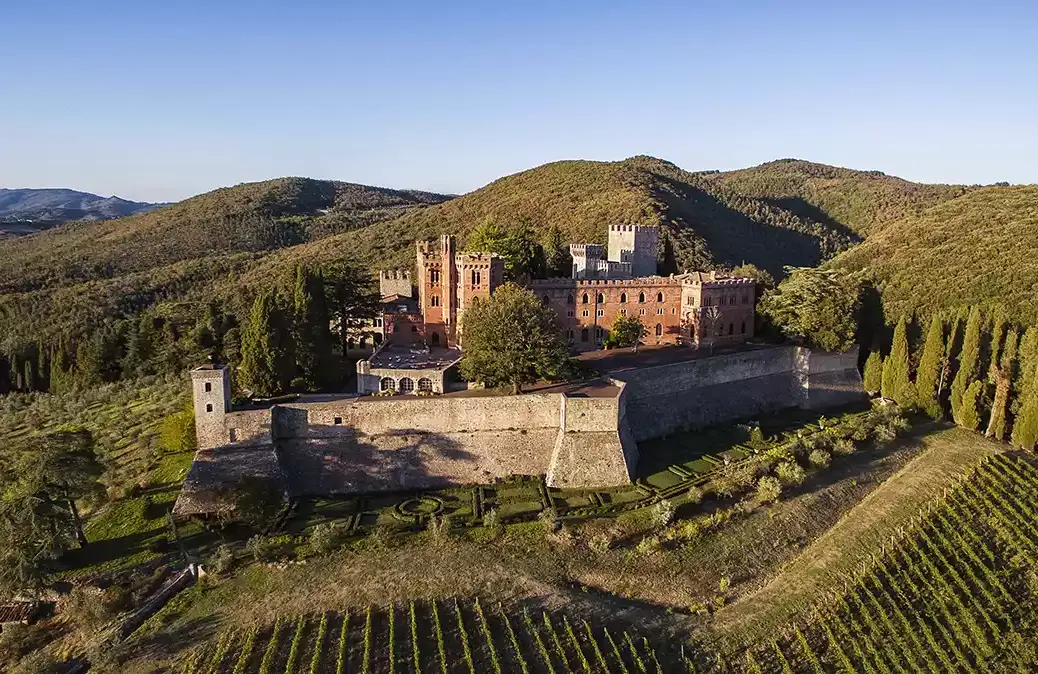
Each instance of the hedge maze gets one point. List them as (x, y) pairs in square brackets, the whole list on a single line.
[(442, 637)]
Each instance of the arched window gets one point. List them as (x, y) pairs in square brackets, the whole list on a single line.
[(569, 335), (363, 342), (425, 384), (584, 299), (623, 312), (406, 385), (742, 328), (659, 329), (731, 328), (659, 297), (387, 384), (583, 335), (641, 298), (545, 300), (623, 298), (434, 339), (601, 298), (569, 298)]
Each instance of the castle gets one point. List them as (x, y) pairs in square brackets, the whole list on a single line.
[(582, 435), (419, 347)]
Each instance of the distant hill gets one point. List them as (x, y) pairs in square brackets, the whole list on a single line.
[(24, 211), (977, 249), (250, 217)]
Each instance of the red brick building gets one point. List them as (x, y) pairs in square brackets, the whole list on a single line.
[(692, 308)]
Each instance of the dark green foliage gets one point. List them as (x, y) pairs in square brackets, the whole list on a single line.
[(312, 338), (627, 331), (557, 260), (815, 307), (1027, 361), (970, 408), (896, 384), (873, 376), (256, 500), (1025, 428), (969, 362), (512, 339), (931, 366), (1001, 376), (266, 363), (524, 258), (349, 296)]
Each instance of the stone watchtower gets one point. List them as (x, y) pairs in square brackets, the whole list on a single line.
[(635, 244), (211, 390), (395, 282)]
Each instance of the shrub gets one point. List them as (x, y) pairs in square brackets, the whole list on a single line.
[(694, 495), (87, 608), (600, 543), (844, 446), (662, 513), (440, 528), (549, 519), (820, 458), (768, 489), (635, 522), (492, 519), (263, 549), (40, 662), (327, 537), (790, 473), (648, 545), (686, 530), (222, 560)]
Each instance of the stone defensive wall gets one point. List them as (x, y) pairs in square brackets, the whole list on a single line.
[(668, 398), (578, 436)]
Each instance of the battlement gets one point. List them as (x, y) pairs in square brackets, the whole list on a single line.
[(394, 275), (631, 228), (645, 281), (583, 249)]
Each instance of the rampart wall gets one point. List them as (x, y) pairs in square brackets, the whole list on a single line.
[(576, 439)]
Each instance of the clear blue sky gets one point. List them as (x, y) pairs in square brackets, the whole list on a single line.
[(161, 100)]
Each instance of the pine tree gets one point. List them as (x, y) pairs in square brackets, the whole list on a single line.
[(895, 383), (1002, 378), (873, 377), (61, 380), (141, 349), (928, 374), (1025, 427), (558, 261), (969, 362), (970, 406)]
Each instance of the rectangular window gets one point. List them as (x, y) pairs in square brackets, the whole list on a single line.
[(660, 311), (623, 312), (601, 313), (337, 421), (641, 312), (209, 407), (569, 313), (434, 301), (586, 313), (434, 276), (208, 387)]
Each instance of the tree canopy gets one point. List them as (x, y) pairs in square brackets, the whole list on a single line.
[(512, 339), (815, 307)]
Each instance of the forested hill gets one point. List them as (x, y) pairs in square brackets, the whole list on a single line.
[(977, 249), (863, 201), (250, 217)]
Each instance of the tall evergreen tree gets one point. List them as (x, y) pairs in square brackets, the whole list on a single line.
[(313, 347), (558, 261), (350, 296), (1025, 426), (970, 406), (263, 360), (61, 379), (896, 384), (873, 377), (1027, 361), (931, 363), (1002, 374), (969, 362), (141, 349)]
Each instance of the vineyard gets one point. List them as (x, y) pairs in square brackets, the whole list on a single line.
[(431, 638), (954, 591)]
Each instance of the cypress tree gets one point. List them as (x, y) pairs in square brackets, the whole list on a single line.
[(313, 340), (969, 406), (895, 382), (258, 370), (1002, 378), (873, 377), (1025, 427), (928, 374), (60, 378), (1027, 361), (969, 362)]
